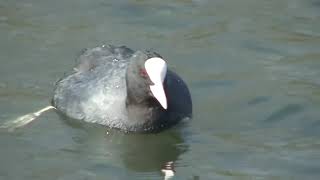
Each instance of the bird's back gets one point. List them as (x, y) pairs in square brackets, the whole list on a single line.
[(96, 90)]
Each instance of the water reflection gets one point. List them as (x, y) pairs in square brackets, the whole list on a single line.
[(149, 153), (139, 153)]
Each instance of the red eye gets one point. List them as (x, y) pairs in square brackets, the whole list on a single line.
[(143, 73)]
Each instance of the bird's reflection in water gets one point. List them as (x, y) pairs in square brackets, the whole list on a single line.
[(144, 154), (153, 152)]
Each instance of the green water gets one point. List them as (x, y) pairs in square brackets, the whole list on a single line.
[(253, 68)]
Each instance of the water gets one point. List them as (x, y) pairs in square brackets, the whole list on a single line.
[(252, 67)]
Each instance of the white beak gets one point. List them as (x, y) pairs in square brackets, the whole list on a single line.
[(157, 70)]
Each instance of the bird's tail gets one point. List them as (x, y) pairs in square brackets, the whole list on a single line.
[(25, 119)]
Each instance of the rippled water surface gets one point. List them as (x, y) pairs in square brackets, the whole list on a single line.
[(253, 68)]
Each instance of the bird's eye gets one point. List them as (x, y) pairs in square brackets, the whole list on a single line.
[(143, 73)]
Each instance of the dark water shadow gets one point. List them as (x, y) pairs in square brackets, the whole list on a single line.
[(288, 110), (258, 100)]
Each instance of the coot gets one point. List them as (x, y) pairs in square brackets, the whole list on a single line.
[(121, 88)]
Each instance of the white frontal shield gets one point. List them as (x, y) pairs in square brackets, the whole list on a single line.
[(157, 70)]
